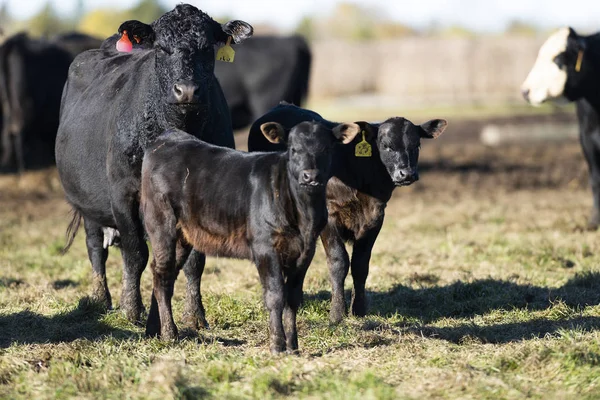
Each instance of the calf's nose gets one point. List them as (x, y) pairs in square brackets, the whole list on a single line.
[(310, 177), (405, 176), (525, 93), (185, 92)]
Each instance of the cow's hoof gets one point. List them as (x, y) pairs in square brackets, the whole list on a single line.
[(152, 330), (194, 321), (337, 314), (359, 309)]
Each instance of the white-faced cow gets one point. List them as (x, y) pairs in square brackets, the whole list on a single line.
[(362, 184), (115, 104), (568, 69)]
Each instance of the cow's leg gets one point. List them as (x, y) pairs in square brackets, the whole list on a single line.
[(589, 137), (339, 263), (361, 256), (168, 254), (271, 278), (193, 313), (133, 249), (293, 291), (94, 240)]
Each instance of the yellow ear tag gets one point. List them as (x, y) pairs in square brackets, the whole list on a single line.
[(579, 60), (226, 53), (363, 148)]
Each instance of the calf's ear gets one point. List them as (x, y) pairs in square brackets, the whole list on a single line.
[(434, 128), (346, 132), (274, 132), (238, 30)]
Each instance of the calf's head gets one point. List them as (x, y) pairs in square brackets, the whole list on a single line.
[(399, 142), (559, 70), (309, 149), (184, 41)]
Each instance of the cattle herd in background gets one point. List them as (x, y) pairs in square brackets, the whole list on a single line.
[(140, 126)]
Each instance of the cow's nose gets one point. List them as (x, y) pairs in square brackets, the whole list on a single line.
[(185, 92), (310, 177), (525, 93)]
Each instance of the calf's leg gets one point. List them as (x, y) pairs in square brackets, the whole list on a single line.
[(94, 240), (361, 256), (293, 290), (271, 278), (193, 313), (339, 264), (167, 257)]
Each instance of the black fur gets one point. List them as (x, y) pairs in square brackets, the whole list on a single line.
[(266, 207), (358, 192), (114, 105)]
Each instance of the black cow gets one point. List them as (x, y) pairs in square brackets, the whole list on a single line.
[(267, 70), (568, 69), (32, 75), (266, 207), (358, 193), (114, 105)]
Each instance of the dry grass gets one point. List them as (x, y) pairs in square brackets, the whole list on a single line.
[(483, 285)]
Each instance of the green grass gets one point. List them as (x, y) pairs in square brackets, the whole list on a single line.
[(480, 287)]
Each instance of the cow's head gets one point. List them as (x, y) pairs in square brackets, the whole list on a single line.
[(309, 149), (398, 143), (559, 69), (184, 41)]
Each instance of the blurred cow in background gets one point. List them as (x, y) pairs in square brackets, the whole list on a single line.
[(568, 69), (32, 75), (267, 70)]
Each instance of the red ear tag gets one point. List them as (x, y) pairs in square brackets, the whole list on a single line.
[(124, 44)]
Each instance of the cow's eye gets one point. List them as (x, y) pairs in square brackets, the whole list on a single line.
[(559, 60)]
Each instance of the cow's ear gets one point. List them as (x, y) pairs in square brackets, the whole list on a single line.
[(434, 128), (346, 132), (238, 30), (274, 132), (138, 32)]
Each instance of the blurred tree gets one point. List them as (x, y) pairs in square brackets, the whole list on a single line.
[(306, 27), (102, 22), (389, 30), (46, 22), (5, 18), (147, 11), (79, 12), (518, 27), (352, 22)]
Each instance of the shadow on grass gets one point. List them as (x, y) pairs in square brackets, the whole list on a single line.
[(480, 297), (80, 323), (509, 332)]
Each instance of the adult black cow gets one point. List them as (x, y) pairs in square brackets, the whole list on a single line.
[(568, 69), (267, 70), (114, 105), (365, 174), (32, 75)]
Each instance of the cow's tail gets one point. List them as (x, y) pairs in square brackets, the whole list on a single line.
[(72, 230)]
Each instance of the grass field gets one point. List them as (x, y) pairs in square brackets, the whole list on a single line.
[(483, 284)]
